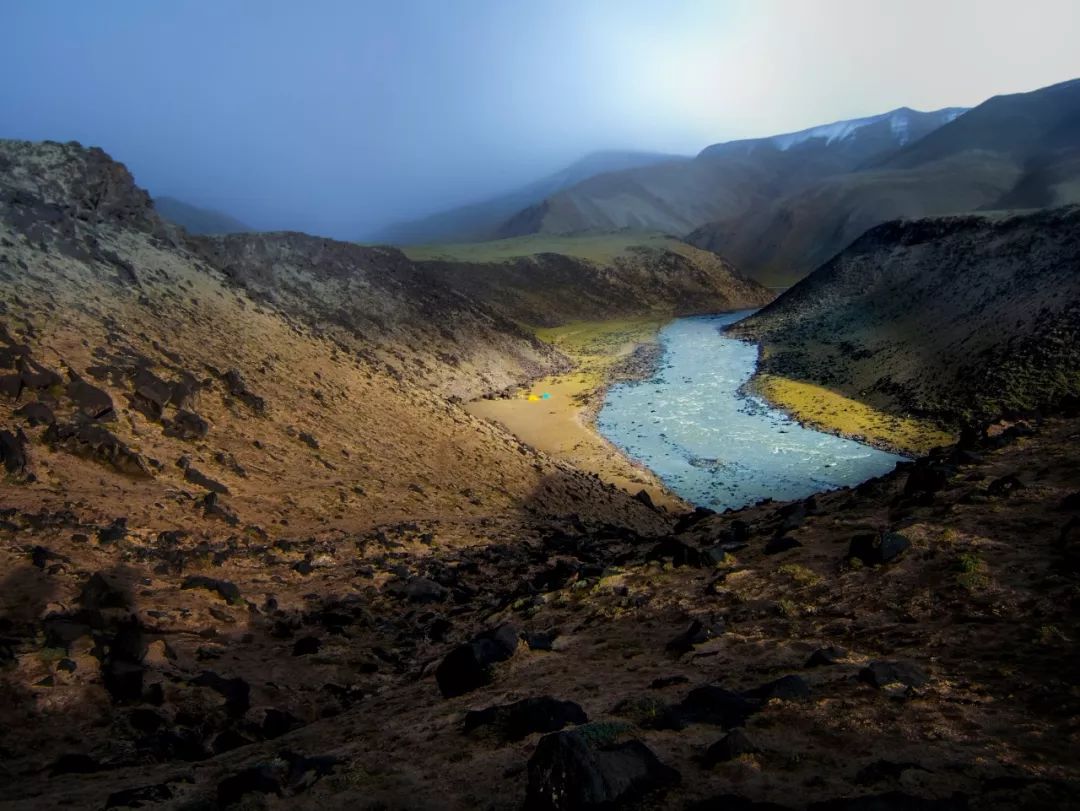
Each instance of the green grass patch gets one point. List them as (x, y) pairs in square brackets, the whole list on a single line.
[(600, 248)]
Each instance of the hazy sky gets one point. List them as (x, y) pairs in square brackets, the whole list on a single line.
[(336, 117)]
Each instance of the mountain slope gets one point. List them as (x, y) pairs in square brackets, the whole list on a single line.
[(1016, 151), (197, 220), (481, 221), (724, 181), (958, 318)]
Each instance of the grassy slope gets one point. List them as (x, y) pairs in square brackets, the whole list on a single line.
[(593, 247)]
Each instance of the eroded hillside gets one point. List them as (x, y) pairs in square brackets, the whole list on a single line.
[(956, 318)]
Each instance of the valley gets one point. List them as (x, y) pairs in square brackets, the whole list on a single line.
[(293, 522)]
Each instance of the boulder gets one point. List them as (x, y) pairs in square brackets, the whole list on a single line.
[(36, 413), (679, 553), (731, 746), (470, 666), (882, 673), (826, 656), (512, 722), (688, 520), (877, 550), (710, 704), (697, 633), (199, 478), (187, 425), (1005, 486), (890, 801), (784, 543), (91, 401), (579, 770), (94, 442), (786, 688), (229, 592), (13, 451)]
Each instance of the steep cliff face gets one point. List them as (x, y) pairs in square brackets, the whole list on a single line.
[(955, 317)]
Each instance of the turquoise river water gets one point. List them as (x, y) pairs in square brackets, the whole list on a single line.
[(713, 444)]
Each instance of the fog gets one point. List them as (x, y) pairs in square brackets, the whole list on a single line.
[(340, 117)]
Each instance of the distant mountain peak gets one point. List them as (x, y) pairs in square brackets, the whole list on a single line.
[(900, 124)]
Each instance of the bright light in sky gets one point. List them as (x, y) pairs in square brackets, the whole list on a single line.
[(336, 116)]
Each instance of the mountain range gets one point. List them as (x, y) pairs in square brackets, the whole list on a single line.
[(779, 206)]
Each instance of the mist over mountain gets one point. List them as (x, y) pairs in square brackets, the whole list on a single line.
[(196, 220)]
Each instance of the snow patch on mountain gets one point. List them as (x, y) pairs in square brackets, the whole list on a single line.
[(900, 121)]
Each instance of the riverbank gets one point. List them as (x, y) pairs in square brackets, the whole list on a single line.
[(830, 412), (562, 423)]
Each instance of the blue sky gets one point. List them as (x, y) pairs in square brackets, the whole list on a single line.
[(338, 117)]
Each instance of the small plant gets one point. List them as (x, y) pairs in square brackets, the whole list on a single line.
[(601, 733), (787, 608), (949, 534), (971, 573), (1052, 635), (800, 574)]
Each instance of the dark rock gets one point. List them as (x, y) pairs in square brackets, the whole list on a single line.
[(260, 779), (35, 376), (145, 721), (141, 797), (36, 413), (711, 705), (1070, 502), (213, 508), (689, 519), (67, 665), (1005, 486), (13, 451), (91, 401), (557, 576), (786, 688), (826, 656), (731, 746), (103, 592), (882, 673), (187, 425), (679, 553), (195, 476), (740, 531), (927, 476), (91, 441), (239, 389), (235, 691), (229, 592), (512, 722), (572, 770), (644, 497), (784, 543), (278, 722), (75, 763), (470, 666), (306, 646), (425, 590), (539, 640), (667, 681), (116, 531), (697, 633), (228, 740), (876, 550), (122, 671), (309, 440), (881, 770)]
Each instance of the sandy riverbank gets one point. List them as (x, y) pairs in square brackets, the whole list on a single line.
[(604, 352)]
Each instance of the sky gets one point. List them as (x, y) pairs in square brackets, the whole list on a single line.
[(338, 117)]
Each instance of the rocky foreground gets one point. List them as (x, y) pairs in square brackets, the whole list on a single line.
[(259, 556)]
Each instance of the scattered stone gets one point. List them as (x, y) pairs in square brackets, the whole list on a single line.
[(470, 666), (731, 746), (36, 413), (826, 656), (278, 722), (1005, 486), (239, 389), (512, 722), (667, 681), (680, 554), (882, 770), (92, 441), (235, 691), (75, 763), (539, 640), (194, 476), (309, 440), (689, 519), (13, 451), (644, 497), (260, 779), (890, 801), (710, 704), (786, 688), (579, 770), (881, 674), (91, 401), (116, 531), (229, 592), (877, 550), (697, 633), (784, 543), (187, 425)]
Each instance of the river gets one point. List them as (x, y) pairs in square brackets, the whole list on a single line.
[(715, 445)]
